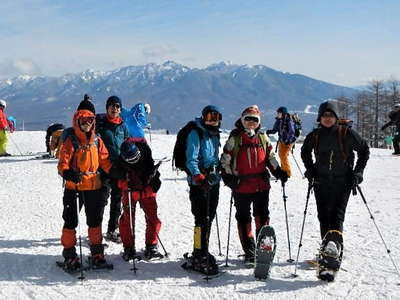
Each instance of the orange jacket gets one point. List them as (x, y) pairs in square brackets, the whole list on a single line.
[(86, 159)]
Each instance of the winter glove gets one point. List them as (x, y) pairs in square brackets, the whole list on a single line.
[(117, 170), (230, 181), (309, 174), (155, 182), (357, 178), (280, 174), (71, 175)]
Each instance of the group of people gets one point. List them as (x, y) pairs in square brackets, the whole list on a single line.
[(99, 156)]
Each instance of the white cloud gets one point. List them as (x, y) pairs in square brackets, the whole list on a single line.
[(15, 67)]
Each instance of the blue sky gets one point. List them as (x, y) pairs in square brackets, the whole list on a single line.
[(347, 42)]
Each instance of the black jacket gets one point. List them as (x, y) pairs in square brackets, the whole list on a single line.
[(334, 156)]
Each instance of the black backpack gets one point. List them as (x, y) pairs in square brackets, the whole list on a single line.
[(297, 124), (179, 155)]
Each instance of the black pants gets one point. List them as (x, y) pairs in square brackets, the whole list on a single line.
[(94, 208), (396, 142), (331, 197), (200, 199), (111, 187)]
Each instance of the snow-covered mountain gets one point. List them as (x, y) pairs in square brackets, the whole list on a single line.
[(176, 92), (31, 223)]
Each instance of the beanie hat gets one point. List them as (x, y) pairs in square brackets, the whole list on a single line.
[(283, 110), (130, 153), (86, 104), (251, 111), (113, 100), (211, 108), (328, 106)]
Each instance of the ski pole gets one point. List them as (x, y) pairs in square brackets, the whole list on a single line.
[(377, 229), (298, 166), (81, 277), (134, 269), (229, 231), (219, 240), (287, 223), (207, 231), (15, 144), (310, 186)]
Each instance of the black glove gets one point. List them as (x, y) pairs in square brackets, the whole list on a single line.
[(280, 174), (309, 174), (71, 175), (357, 178), (269, 132), (155, 182), (118, 170), (230, 181)]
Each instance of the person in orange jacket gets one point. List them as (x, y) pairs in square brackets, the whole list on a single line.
[(81, 156)]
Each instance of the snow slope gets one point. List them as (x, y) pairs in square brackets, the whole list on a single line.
[(30, 228)]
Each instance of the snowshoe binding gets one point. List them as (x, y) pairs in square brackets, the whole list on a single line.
[(98, 262), (330, 255), (205, 264), (129, 254), (151, 252), (265, 252)]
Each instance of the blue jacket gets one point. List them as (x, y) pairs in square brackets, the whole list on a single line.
[(285, 129), (135, 119), (202, 153), (113, 135)]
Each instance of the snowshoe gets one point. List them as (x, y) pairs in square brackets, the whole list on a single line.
[(265, 252), (98, 261), (151, 252), (70, 265), (199, 264), (330, 255), (113, 236)]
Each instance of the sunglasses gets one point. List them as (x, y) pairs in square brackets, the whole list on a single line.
[(251, 119), (116, 105), (328, 115), (86, 120), (212, 116)]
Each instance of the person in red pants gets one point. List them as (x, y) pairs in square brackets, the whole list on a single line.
[(140, 183)]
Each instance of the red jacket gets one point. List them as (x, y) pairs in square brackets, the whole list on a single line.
[(3, 120)]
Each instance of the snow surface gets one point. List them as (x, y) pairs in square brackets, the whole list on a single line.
[(31, 223)]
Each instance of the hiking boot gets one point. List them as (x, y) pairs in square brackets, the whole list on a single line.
[(129, 253), (72, 264), (113, 236), (152, 252), (98, 261), (331, 249), (200, 264), (249, 257)]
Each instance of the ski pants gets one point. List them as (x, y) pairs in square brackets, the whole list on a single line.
[(3, 141), (331, 198), (283, 152), (94, 209), (243, 217), (153, 223), (200, 200), (111, 187)]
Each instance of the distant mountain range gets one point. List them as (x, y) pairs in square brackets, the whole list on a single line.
[(176, 93)]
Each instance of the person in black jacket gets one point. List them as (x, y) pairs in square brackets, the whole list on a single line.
[(333, 174), (394, 117)]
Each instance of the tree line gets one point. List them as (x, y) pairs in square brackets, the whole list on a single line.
[(369, 109)]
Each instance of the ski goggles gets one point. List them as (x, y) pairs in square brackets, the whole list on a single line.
[(212, 116), (251, 119), (86, 120), (116, 105), (133, 159)]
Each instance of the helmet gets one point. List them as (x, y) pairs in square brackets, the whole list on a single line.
[(3, 103), (130, 152)]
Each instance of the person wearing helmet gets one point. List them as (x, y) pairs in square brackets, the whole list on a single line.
[(394, 117), (3, 129), (140, 181), (136, 119), (202, 160)]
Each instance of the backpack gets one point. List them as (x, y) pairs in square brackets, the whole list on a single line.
[(179, 155), (69, 133), (297, 124), (343, 126), (238, 142)]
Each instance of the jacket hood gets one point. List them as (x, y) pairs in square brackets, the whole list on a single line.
[(328, 106), (82, 136)]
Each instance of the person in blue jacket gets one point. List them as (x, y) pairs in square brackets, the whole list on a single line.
[(202, 160), (136, 119), (113, 132)]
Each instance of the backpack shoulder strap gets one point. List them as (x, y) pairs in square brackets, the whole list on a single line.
[(342, 131)]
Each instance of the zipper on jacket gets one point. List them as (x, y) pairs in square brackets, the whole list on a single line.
[(331, 161)]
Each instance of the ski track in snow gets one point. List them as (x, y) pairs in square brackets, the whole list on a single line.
[(31, 223)]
